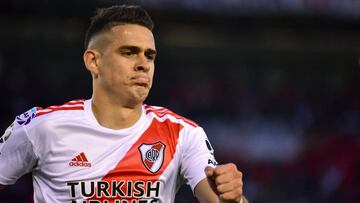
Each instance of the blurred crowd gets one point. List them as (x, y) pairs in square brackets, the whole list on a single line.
[(284, 106)]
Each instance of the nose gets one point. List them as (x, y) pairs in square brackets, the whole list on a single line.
[(143, 64)]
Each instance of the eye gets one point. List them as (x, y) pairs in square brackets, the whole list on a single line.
[(128, 53), (151, 57)]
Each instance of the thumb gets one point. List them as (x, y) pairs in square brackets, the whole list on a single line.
[(209, 171)]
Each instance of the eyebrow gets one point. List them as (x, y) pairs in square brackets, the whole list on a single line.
[(137, 49)]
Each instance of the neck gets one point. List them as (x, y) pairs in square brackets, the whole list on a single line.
[(114, 115)]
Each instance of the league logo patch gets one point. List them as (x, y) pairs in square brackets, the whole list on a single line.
[(7, 134), (26, 117), (152, 155), (210, 148)]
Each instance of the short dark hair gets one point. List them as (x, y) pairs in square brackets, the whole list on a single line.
[(106, 18)]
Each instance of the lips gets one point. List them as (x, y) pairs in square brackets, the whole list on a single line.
[(141, 80)]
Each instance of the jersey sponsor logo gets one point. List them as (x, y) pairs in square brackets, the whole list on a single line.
[(148, 200), (121, 191), (7, 134), (152, 155), (80, 161), (26, 117)]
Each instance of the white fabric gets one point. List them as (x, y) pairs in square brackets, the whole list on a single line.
[(54, 143)]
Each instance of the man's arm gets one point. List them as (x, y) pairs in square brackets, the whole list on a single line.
[(204, 192), (223, 184)]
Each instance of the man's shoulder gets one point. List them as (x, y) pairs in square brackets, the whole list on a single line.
[(37, 114), (165, 113)]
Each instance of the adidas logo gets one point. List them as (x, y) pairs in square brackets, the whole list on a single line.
[(80, 160)]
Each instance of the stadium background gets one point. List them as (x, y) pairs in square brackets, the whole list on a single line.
[(274, 83)]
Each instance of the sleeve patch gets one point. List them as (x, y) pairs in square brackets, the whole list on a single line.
[(210, 148), (26, 117)]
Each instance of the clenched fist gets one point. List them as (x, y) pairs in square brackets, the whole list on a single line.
[(226, 181)]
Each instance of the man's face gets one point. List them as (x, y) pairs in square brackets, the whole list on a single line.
[(126, 63)]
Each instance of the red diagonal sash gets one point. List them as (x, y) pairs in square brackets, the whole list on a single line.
[(131, 167)]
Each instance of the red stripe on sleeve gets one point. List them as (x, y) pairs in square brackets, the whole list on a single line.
[(168, 112), (49, 110)]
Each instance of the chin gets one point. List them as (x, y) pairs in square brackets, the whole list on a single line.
[(137, 96), (140, 97)]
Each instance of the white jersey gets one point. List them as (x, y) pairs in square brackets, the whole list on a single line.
[(74, 159)]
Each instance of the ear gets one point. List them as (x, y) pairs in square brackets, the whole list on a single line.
[(91, 57)]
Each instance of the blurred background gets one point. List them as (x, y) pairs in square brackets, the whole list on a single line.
[(274, 83)]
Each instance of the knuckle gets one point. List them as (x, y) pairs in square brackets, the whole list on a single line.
[(235, 166), (237, 175), (232, 166), (241, 183), (219, 169), (239, 180)]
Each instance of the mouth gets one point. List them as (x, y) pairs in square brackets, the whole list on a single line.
[(143, 81)]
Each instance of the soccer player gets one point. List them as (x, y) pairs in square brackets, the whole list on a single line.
[(113, 147)]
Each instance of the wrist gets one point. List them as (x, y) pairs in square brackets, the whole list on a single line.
[(243, 200)]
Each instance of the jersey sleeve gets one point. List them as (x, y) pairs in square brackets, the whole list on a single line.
[(197, 154), (16, 154)]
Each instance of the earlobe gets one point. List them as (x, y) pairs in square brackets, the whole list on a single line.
[(90, 60)]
